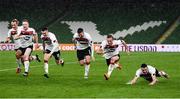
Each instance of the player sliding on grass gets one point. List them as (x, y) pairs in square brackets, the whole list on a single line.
[(149, 73), (51, 48), (110, 49), (12, 33), (84, 46)]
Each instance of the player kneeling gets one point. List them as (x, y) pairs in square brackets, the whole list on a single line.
[(110, 49), (149, 73), (51, 48)]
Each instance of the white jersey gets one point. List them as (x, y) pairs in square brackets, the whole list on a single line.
[(51, 42), (110, 51), (12, 33), (27, 39), (84, 42), (151, 70)]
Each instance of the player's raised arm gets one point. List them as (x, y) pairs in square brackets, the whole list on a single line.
[(125, 45)]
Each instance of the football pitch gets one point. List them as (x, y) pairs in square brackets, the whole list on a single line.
[(68, 81)]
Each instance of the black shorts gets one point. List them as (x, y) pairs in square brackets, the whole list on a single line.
[(56, 55), (148, 76), (109, 60), (82, 53), (24, 49)]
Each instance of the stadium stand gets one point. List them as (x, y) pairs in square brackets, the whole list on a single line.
[(108, 16)]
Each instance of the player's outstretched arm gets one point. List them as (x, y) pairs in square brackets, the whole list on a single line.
[(133, 81), (154, 80)]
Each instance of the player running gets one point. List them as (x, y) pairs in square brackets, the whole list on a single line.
[(84, 46), (149, 73), (11, 34), (51, 48), (110, 49), (27, 35)]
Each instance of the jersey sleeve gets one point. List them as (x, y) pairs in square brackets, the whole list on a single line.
[(103, 44), (54, 40), (138, 73), (119, 42), (9, 33), (34, 31), (89, 37), (152, 70)]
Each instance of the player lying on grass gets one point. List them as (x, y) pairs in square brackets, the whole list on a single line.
[(50, 48), (84, 46), (149, 73), (12, 33), (110, 49)]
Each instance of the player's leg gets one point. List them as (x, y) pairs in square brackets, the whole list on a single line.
[(46, 65), (112, 63), (57, 58), (18, 60), (34, 58), (87, 66), (80, 56), (162, 73), (26, 60)]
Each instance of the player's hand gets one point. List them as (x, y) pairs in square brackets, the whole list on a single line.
[(151, 84), (129, 83)]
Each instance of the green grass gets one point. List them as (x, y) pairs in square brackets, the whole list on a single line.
[(68, 81)]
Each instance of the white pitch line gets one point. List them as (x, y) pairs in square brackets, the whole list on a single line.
[(41, 65), (35, 66)]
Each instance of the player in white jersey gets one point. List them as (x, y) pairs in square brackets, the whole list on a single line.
[(51, 48), (111, 48), (84, 46), (149, 73), (27, 35), (12, 34)]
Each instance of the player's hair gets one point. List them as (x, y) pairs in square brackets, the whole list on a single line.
[(25, 20), (110, 36), (143, 65), (15, 20), (79, 30), (44, 29)]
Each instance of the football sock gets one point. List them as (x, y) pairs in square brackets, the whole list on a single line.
[(26, 65), (110, 69), (46, 68), (18, 62), (86, 69)]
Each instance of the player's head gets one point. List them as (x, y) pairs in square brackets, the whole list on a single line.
[(110, 39), (44, 31), (25, 24), (144, 68), (80, 32), (14, 23)]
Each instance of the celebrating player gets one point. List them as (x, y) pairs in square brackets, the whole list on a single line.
[(149, 73), (13, 33), (26, 36), (110, 49), (84, 46), (50, 47)]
